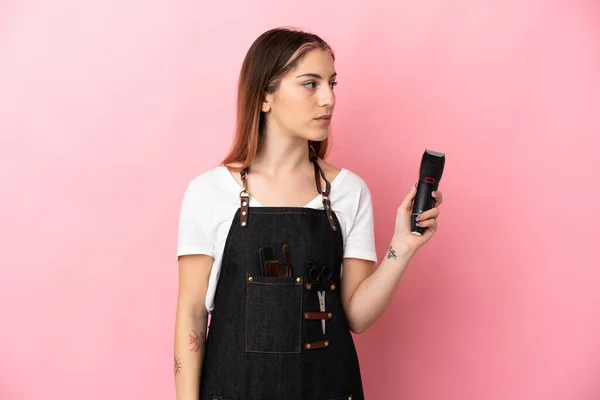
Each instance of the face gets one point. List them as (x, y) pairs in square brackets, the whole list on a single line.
[(303, 104)]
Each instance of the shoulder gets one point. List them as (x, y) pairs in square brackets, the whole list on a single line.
[(208, 181), (355, 182), (349, 191), (352, 202), (330, 170), (210, 198), (344, 178)]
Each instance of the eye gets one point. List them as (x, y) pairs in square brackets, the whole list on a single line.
[(313, 84)]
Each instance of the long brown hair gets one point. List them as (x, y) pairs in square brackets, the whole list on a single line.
[(272, 55)]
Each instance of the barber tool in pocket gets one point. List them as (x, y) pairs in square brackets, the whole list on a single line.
[(285, 268), (272, 267), (266, 258), (320, 276)]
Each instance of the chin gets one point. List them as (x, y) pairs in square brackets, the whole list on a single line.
[(317, 136)]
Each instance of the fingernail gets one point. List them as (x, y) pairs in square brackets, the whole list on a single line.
[(434, 193), (415, 184), (418, 218)]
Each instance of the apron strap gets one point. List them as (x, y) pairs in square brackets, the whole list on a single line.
[(244, 199), (325, 193)]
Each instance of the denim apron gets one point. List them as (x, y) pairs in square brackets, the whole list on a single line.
[(265, 338)]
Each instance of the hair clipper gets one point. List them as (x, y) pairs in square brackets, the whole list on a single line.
[(430, 174)]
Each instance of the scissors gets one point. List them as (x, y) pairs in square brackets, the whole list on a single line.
[(317, 276)]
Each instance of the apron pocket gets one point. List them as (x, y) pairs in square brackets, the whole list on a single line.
[(273, 314)]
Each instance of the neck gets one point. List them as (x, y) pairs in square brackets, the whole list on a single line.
[(279, 155)]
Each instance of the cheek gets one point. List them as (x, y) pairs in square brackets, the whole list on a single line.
[(293, 98), (293, 106)]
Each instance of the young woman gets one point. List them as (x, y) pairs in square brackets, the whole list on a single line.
[(265, 236)]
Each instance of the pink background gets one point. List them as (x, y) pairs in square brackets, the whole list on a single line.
[(109, 108)]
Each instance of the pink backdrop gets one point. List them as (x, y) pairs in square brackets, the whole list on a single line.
[(109, 108)]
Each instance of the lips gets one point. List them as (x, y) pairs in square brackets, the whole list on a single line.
[(324, 118)]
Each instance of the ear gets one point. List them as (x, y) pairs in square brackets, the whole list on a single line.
[(266, 104)]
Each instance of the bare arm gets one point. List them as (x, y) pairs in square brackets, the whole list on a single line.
[(366, 294), (190, 324)]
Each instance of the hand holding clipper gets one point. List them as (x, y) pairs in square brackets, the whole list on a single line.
[(430, 174)]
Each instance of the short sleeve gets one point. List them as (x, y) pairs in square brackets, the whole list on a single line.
[(192, 237), (360, 240)]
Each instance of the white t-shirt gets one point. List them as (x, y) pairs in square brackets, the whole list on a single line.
[(212, 198)]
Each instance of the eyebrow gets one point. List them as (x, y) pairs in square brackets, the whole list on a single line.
[(316, 76)]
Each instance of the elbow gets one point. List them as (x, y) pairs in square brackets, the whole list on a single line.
[(356, 324), (356, 331), (357, 328)]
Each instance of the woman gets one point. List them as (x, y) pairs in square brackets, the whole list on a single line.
[(264, 237)]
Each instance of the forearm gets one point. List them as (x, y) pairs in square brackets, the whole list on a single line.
[(190, 334), (374, 294)]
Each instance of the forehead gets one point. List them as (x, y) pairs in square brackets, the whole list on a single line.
[(316, 61)]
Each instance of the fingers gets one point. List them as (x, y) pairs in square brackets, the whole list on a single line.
[(408, 199), (439, 198), (431, 213), (427, 219), (430, 223)]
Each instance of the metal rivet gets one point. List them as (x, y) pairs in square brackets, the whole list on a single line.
[(331, 217), (332, 287), (243, 212), (243, 223), (326, 344), (329, 315), (307, 345), (250, 278), (308, 286), (244, 203), (307, 315)]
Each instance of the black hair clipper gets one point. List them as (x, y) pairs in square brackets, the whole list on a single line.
[(430, 174)]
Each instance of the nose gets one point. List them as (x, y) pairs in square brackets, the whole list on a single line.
[(326, 96)]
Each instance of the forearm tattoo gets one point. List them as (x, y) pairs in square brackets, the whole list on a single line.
[(392, 253), (197, 341), (177, 366)]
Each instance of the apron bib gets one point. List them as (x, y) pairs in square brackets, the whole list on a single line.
[(266, 337)]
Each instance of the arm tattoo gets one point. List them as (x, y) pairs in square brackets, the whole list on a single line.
[(392, 253), (177, 366), (197, 341)]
